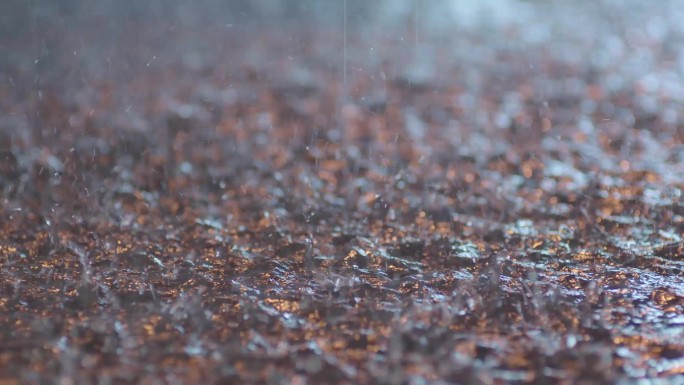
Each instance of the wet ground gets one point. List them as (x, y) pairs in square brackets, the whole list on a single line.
[(260, 203)]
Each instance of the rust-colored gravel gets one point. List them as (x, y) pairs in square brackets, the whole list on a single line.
[(188, 203)]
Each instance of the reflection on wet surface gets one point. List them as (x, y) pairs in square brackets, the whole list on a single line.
[(514, 218)]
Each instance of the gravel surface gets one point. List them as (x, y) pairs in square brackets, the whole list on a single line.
[(457, 195)]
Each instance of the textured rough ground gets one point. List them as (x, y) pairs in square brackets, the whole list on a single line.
[(212, 203)]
